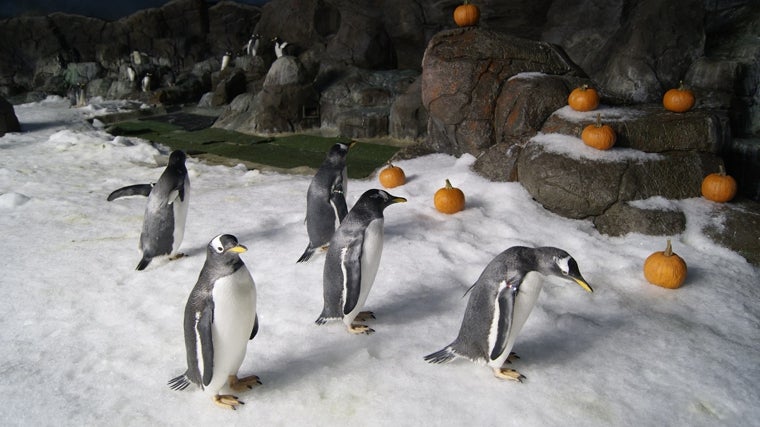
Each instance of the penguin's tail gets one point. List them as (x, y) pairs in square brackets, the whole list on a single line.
[(307, 254), (143, 263), (442, 356), (179, 383)]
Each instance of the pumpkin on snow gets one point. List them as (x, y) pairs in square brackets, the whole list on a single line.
[(449, 199), (392, 176), (719, 187), (665, 268), (583, 98), (679, 99), (466, 14), (599, 136)]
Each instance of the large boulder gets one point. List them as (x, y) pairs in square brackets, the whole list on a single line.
[(463, 77), (8, 120)]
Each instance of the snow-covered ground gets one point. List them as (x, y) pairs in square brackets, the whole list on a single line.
[(87, 340)]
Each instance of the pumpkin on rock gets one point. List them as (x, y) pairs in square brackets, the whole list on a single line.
[(599, 136), (665, 268), (583, 98), (449, 199), (466, 14), (719, 187), (679, 99), (392, 176)]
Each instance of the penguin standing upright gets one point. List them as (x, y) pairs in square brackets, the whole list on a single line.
[(500, 302), (252, 47), (226, 59), (279, 46), (326, 200), (219, 320), (352, 261), (166, 211), (146, 83)]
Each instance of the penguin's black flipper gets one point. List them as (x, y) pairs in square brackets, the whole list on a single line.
[(255, 327), (351, 265), (338, 199), (131, 191), (506, 302)]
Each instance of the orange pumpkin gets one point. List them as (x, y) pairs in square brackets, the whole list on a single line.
[(583, 98), (678, 100), (665, 268), (599, 136), (449, 199), (719, 187), (466, 14), (392, 176)]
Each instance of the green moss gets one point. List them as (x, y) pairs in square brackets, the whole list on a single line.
[(281, 152)]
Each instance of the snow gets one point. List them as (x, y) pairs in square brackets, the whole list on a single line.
[(573, 147), (87, 340)]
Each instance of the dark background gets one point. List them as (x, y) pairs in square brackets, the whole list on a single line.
[(104, 9)]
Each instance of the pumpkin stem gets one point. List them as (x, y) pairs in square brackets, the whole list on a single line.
[(448, 183), (721, 170), (668, 249), (680, 85), (598, 120), (584, 86)]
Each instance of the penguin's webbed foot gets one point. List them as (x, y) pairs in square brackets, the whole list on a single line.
[(360, 329), (508, 374), (176, 256), (227, 401), (242, 384), (363, 316), (512, 357)]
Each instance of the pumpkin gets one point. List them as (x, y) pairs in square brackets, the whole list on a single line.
[(583, 98), (679, 99), (392, 176), (449, 199), (665, 268), (719, 187), (599, 136), (466, 14)]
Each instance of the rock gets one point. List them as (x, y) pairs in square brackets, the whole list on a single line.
[(230, 83), (576, 181), (736, 225), (463, 74), (742, 156), (8, 120), (499, 162), (624, 217), (286, 70), (407, 118)]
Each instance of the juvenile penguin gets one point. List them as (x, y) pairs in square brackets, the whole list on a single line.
[(500, 302), (326, 200), (166, 211), (352, 261), (220, 318)]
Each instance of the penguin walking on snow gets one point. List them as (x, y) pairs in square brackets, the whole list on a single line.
[(352, 261), (220, 318), (500, 302), (326, 200), (166, 211)]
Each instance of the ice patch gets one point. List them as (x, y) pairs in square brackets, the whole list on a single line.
[(12, 200)]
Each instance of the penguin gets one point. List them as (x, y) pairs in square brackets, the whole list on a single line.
[(81, 97), (326, 200), (131, 75), (279, 46), (253, 45), (166, 210), (500, 302), (146, 82), (226, 59), (220, 318), (352, 261)]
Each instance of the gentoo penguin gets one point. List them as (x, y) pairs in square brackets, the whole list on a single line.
[(279, 46), (226, 59), (253, 45), (146, 82), (131, 75), (500, 302), (326, 200), (352, 261), (220, 318), (166, 211)]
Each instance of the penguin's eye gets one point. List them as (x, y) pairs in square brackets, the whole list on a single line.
[(219, 249)]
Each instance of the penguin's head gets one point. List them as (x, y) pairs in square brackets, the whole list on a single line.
[(225, 245), (562, 265), (177, 157), (379, 199), (339, 151)]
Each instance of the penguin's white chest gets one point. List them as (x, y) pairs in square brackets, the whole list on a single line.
[(372, 249), (180, 215), (234, 314), (525, 300)]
